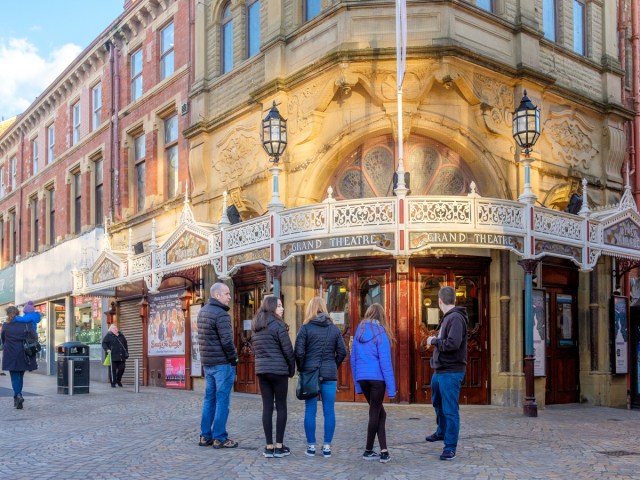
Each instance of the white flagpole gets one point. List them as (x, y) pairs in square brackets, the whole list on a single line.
[(401, 58)]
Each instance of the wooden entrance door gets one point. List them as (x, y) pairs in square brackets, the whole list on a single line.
[(560, 280), (348, 293), (247, 302), (470, 282)]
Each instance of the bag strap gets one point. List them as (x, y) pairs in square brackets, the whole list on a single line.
[(121, 344)]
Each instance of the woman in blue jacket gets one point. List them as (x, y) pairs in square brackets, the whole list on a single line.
[(372, 372)]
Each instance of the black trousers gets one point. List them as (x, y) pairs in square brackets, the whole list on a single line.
[(374, 393), (274, 387), (117, 370)]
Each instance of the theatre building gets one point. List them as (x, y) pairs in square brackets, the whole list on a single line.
[(329, 216)]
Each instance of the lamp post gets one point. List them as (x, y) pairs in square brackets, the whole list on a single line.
[(274, 142), (526, 130)]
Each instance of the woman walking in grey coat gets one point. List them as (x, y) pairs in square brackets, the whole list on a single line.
[(275, 364)]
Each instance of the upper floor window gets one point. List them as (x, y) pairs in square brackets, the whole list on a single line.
[(227, 39), (1, 241), (51, 216), (139, 154), (549, 19), (171, 154), (97, 194), (14, 173), (51, 143), (96, 106), (13, 236), (76, 198), (579, 22), (75, 121), (35, 227), (311, 9), (136, 75), (485, 4), (34, 155), (166, 51), (3, 190), (253, 27)]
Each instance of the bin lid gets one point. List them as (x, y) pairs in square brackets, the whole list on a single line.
[(72, 348)]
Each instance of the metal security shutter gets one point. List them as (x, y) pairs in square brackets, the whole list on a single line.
[(130, 324)]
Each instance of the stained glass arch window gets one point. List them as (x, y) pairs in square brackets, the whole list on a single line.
[(368, 171)]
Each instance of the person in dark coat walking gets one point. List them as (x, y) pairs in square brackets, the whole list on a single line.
[(14, 358), (115, 342), (219, 360), (319, 343), (275, 364)]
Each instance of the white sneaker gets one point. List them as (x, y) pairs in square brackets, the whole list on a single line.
[(311, 451), (326, 451)]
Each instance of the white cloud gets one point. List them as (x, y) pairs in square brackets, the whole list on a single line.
[(25, 74)]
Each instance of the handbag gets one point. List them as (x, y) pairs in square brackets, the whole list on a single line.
[(309, 380), (30, 345), (107, 360)]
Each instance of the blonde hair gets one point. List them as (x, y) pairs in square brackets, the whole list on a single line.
[(315, 306), (376, 312)]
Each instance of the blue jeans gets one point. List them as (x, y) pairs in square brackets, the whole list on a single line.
[(17, 379), (215, 409), (445, 395), (328, 392)]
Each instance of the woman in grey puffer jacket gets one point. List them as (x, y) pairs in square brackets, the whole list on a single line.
[(275, 363)]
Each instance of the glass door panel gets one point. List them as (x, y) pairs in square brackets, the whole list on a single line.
[(336, 296)]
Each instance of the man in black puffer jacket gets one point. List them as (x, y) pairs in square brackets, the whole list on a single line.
[(219, 360)]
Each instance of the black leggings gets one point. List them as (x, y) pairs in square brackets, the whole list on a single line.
[(117, 370), (374, 393), (274, 386)]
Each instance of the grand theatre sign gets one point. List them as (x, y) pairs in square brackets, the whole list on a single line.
[(401, 227)]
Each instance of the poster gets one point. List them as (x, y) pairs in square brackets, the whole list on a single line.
[(165, 334), (565, 319), (196, 365), (539, 332), (620, 334), (174, 372)]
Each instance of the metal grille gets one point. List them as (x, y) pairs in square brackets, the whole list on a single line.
[(130, 324)]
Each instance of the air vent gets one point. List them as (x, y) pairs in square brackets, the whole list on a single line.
[(184, 108)]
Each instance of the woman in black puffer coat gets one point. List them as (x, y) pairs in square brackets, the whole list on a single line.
[(275, 364), (319, 344)]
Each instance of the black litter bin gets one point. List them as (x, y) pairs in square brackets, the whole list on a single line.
[(79, 353)]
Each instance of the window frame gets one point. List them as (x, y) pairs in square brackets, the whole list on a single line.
[(13, 234), (34, 223), (136, 76), (34, 156), (307, 12), (50, 236), (583, 24), (3, 187), (170, 146), (491, 8), (553, 19), (251, 34), (166, 53), (139, 197), (98, 191), (51, 144), (76, 119), (226, 21), (13, 166), (96, 106), (76, 201)]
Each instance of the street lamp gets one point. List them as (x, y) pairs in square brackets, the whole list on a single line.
[(526, 131), (274, 142)]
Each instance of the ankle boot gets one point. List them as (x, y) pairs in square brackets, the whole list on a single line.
[(19, 402)]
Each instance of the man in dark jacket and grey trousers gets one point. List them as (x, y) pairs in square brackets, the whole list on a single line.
[(219, 360), (450, 363)]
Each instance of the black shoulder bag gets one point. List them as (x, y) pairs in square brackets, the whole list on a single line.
[(126, 353), (309, 380), (30, 344)]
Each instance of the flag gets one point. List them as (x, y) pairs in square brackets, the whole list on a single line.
[(401, 40)]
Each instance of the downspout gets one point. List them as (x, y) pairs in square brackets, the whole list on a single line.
[(116, 129), (635, 62), (109, 45)]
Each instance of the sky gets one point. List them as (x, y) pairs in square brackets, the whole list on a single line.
[(39, 39)]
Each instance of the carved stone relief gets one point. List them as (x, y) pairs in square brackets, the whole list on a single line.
[(572, 138), (237, 154), (498, 102)]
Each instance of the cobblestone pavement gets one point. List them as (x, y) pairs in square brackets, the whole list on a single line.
[(119, 434)]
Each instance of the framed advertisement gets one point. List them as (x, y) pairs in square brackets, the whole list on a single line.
[(619, 338), (539, 300), (174, 372), (196, 364)]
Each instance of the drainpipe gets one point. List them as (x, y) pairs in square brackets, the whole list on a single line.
[(114, 64), (635, 62)]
